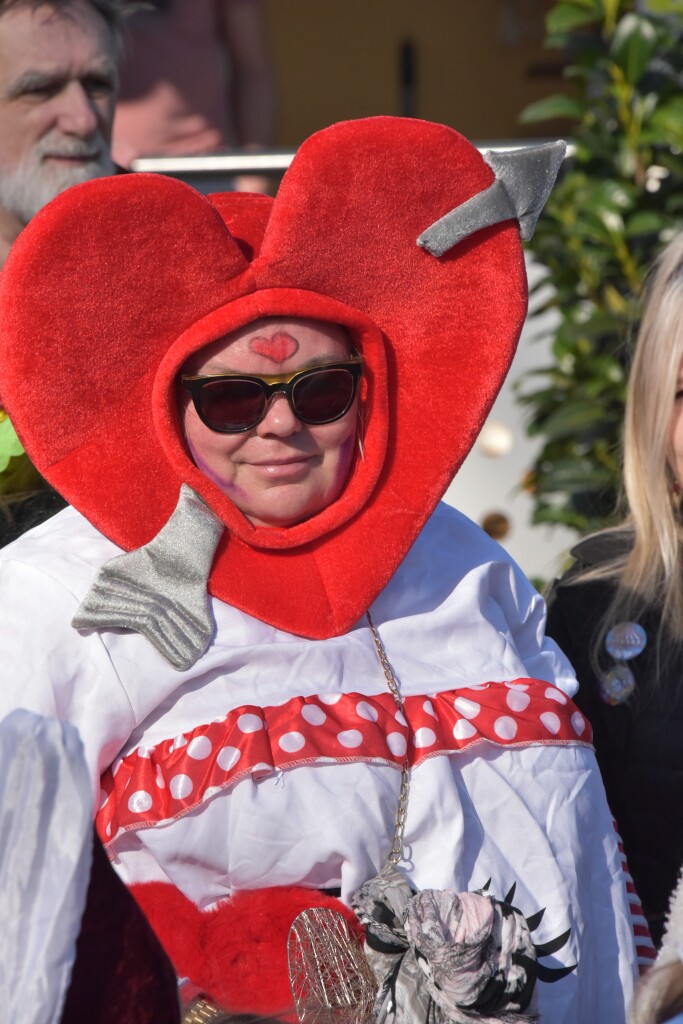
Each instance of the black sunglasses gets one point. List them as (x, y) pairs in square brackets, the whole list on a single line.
[(231, 403)]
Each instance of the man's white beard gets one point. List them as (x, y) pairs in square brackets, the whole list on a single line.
[(35, 181)]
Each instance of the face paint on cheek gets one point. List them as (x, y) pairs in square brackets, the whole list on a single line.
[(207, 470), (224, 484), (280, 347), (344, 463)]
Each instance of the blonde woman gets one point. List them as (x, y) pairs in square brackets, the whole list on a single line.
[(618, 612)]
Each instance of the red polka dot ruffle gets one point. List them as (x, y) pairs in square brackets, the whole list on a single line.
[(153, 785)]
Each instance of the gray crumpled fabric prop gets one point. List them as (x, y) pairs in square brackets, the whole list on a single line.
[(160, 590), (442, 957), (524, 178)]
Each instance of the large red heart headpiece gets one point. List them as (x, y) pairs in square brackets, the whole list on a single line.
[(117, 281)]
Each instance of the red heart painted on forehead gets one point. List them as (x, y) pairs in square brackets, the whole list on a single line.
[(278, 348)]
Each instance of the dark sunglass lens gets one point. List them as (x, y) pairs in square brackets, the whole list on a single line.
[(231, 405), (323, 396)]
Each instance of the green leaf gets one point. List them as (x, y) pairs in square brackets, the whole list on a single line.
[(572, 418), (667, 120), (550, 108), (19, 476), (566, 16), (607, 218), (665, 6), (610, 194), (633, 44), (587, 5), (565, 516), (646, 222), (574, 476), (612, 9), (10, 445)]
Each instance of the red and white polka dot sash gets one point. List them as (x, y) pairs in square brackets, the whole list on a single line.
[(155, 785)]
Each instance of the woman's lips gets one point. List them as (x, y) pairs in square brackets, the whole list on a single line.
[(286, 469)]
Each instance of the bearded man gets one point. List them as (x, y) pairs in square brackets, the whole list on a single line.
[(58, 84)]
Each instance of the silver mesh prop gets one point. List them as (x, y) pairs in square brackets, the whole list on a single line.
[(331, 980)]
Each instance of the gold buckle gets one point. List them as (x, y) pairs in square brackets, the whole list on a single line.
[(202, 1010)]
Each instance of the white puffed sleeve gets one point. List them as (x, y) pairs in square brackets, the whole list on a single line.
[(51, 669)]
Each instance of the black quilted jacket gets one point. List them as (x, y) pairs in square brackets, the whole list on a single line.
[(639, 745)]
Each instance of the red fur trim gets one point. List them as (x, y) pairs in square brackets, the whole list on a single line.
[(177, 922), (236, 952)]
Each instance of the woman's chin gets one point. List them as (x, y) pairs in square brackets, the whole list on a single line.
[(285, 506)]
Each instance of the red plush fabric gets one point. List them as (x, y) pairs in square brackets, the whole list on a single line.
[(115, 282), (235, 953)]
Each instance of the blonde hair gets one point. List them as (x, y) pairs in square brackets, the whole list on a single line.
[(651, 573), (653, 567)]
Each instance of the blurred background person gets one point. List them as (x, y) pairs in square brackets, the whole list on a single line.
[(197, 77), (58, 83), (618, 611), (659, 996)]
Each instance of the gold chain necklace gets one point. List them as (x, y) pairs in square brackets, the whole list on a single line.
[(396, 853)]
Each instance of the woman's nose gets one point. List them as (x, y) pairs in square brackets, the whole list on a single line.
[(280, 418)]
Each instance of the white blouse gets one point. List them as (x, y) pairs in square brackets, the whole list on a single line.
[(276, 760)]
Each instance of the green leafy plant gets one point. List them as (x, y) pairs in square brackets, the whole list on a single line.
[(618, 200)]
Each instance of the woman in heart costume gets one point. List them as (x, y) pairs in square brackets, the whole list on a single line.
[(252, 693)]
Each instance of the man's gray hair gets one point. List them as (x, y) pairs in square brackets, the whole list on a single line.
[(111, 10)]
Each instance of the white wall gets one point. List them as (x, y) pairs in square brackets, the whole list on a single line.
[(492, 484)]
